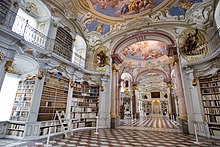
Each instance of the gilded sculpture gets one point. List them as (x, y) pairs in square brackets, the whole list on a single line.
[(101, 59), (192, 44), (9, 68)]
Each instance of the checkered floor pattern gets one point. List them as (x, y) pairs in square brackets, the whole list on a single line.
[(150, 123), (123, 138)]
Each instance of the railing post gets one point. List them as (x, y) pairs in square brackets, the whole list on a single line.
[(25, 27), (96, 129), (48, 138), (197, 140)]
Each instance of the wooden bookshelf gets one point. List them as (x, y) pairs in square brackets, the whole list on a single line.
[(23, 98), (63, 44), (85, 104), (210, 91), (54, 96)]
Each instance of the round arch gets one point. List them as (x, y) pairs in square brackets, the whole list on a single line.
[(150, 70), (157, 35)]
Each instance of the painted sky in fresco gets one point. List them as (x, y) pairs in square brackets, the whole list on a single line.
[(98, 27), (119, 8), (181, 7), (146, 50)]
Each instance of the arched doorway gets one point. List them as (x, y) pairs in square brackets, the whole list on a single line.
[(150, 62)]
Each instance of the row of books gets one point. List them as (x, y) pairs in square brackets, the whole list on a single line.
[(212, 110), (18, 118), (213, 103), (213, 84), (25, 90), (23, 95), (210, 90), (16, 126), (212, 119), (211, 97), (15, 133), (84, 109), (53, 129), (79, 100)]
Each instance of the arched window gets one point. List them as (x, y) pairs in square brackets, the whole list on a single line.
[(79, 51)]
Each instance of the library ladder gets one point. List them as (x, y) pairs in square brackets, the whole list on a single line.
[(63, 121)]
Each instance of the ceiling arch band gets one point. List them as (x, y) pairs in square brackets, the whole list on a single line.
[(144, 36)]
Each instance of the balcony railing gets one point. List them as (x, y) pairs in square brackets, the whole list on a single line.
[(10, 20)]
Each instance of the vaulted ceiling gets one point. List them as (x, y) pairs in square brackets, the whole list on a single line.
[(145, 23)]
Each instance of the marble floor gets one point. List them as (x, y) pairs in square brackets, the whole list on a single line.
[(151, 123), (121, 138), (146, 131)]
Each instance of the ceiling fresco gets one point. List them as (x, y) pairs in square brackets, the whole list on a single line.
[(97, 27), (181, 7), (120, 8), (126, 8), (145, 50)]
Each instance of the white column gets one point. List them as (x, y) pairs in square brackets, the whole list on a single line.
[(5, 56), (169, 101), (180, 93), (193, 99), (104, 104)]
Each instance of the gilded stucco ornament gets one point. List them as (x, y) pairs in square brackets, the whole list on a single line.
[(192, 45), (1, 57), (9, 68), (101, 58)]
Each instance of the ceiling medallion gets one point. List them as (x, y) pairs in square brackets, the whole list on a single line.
[(192, 45)]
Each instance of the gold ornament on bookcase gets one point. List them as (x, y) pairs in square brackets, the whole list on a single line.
[(9, 68), (194, 82), (102, 88), (40, 74)]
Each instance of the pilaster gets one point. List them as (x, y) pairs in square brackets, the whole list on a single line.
[(104, 104)]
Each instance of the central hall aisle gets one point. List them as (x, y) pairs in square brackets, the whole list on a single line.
[(154, 122)]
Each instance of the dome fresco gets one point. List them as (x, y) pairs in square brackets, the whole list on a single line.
[(126, 8), (146, 50), (119, 8)]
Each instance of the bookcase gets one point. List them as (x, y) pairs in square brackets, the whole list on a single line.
[(54, 96), (16, 129), (210, 91), (23, 98), (63, 44), (85, 104)]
